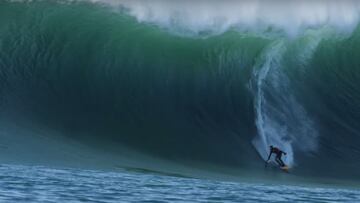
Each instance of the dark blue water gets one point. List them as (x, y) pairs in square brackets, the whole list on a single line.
[(42, 184)]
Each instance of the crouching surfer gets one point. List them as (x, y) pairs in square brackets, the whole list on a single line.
[(278, 154)]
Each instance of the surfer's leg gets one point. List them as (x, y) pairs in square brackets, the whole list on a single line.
[(280, 162)]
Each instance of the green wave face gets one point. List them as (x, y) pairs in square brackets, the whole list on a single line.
[(100, 76)]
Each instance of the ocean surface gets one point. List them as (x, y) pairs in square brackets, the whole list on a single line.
[(44, 184), (195, 89)]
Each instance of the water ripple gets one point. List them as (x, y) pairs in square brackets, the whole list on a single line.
[(40, 184)]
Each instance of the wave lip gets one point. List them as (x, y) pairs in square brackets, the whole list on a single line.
[(290, 17)]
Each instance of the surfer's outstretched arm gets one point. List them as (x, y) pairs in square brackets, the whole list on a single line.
[(269, 156)]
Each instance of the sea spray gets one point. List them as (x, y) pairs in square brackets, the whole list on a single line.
[(280, 119)]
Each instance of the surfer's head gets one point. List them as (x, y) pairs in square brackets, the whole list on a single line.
[(271, 147)]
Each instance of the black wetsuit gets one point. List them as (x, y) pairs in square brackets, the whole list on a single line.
[(278, 153)]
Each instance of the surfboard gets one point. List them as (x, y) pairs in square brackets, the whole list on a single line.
[(285, 168), (275, 165)]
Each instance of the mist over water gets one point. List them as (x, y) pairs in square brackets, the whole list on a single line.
[(193, 83)]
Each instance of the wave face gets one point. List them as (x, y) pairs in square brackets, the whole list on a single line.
[(218, 89)]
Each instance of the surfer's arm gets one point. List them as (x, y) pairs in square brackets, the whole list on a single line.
[(269, 156)]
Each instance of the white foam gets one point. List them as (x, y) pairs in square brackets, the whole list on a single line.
[(291, 16)]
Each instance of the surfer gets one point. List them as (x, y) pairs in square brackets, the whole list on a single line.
[(278, 153)]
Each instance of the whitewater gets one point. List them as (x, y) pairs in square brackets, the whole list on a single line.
[(182, 89)]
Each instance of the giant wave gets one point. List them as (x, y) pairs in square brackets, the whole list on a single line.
[(211, 82)]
